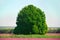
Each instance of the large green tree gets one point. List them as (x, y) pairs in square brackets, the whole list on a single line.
[(31, 20)]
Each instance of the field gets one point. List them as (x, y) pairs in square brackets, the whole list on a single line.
[(48, 35), (7, 33)]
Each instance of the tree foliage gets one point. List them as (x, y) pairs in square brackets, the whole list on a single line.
[(31, 20)]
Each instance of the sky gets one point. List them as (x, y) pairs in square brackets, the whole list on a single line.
[(9, 10)]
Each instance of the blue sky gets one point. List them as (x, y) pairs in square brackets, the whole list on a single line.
[(9, 10)]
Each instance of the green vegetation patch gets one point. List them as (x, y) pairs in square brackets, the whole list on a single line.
[(29, 36)]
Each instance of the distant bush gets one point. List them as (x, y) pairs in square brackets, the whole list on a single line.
[(58, 30), (54, 30), (6, 30)]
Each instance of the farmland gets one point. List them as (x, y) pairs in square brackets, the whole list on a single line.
[(51, 35), (8, 33)]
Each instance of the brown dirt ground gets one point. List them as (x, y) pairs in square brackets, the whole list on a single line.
[(53, 34), (48, 34)]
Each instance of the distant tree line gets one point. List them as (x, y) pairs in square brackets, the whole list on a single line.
[(10, 31)]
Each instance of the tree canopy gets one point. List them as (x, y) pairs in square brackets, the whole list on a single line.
[(31, 20)]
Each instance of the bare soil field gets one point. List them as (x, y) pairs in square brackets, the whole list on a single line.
[(6, 34), (48, 34), (53, 34)]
